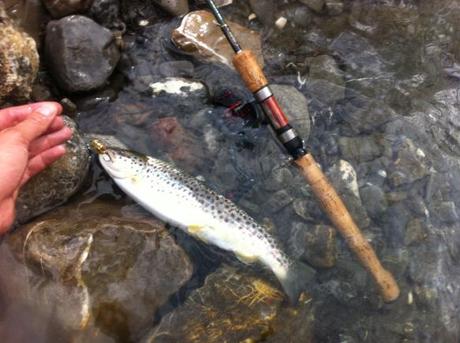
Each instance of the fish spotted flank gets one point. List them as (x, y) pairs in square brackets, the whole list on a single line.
[(185, 202)]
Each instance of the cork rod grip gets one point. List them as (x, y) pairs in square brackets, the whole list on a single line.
[(251, 72), (338, 214)]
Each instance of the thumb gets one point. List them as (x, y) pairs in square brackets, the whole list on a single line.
[(39, 121)]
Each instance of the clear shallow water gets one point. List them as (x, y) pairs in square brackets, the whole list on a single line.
[(391, 108)]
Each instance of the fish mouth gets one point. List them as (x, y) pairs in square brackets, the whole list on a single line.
[(98, 146)]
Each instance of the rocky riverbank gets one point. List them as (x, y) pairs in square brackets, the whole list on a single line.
[(373, 88)]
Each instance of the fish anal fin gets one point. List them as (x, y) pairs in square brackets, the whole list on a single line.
[(195, 229)]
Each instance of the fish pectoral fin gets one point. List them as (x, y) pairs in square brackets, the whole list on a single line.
[(246, 258), (195, 229), (198, 231)]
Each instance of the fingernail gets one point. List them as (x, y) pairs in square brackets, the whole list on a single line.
[(46, 110)]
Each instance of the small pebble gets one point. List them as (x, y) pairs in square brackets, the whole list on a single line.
[(281, 23)]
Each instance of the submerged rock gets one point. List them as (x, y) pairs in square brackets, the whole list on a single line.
[(61, 8), (235, 306), (316, 5), (316, 245), (265, 10), (200, 36), (106, 12), (295, 106), (343, 177), (97, 271), (175, 7), (73, 41), (56, 184), (19, 60)]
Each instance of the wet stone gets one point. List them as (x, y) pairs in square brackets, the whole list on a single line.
[(200, 36), (56, 184), (29, 16), (360, 148), (18, 60), (343, 177), (316, 5), (174, 7), (445, 211), (235, 306), (265, 10), (105, 12), (70, 43), (176, 69), (295, 106), (277, 201), (95, 270), (374, 200), (325, 67), (62, 8), (334, 7), (410, 164), (314, 244), (416, 232)]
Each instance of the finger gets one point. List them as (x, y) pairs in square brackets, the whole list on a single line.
[(41, 161), (57, 124), (48, 141), (12, 115), (37, 123)]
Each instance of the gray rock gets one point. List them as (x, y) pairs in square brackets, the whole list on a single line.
[(234, 306), (80, 53), (446, 211), (373, 199), (56, 184), (18, 60), (316, 5), (95, 268), (264, 10), (410, 164), (358, 54), (416, 232), (360, 148), (364, 115), (343, 177), (316, 245), (325, 67), (175, 7), (295, 106), (176, 87), (62, 8), (324, 92), (105, 12), (176, 69), (278, 201)]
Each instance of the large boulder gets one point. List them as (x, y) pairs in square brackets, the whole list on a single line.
[(235, 306), (88, 272), (80, 53), (56, 184), (18, 60)]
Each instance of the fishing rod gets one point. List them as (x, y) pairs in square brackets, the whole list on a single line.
[(250, 71)]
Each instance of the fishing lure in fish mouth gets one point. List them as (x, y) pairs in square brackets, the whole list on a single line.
[(186, 203)]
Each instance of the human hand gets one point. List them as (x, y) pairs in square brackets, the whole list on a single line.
[(31, 138)]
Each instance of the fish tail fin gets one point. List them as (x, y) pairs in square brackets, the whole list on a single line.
[(296, 279)]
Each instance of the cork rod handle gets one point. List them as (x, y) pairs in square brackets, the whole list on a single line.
[(250, 71), (338, 214)]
